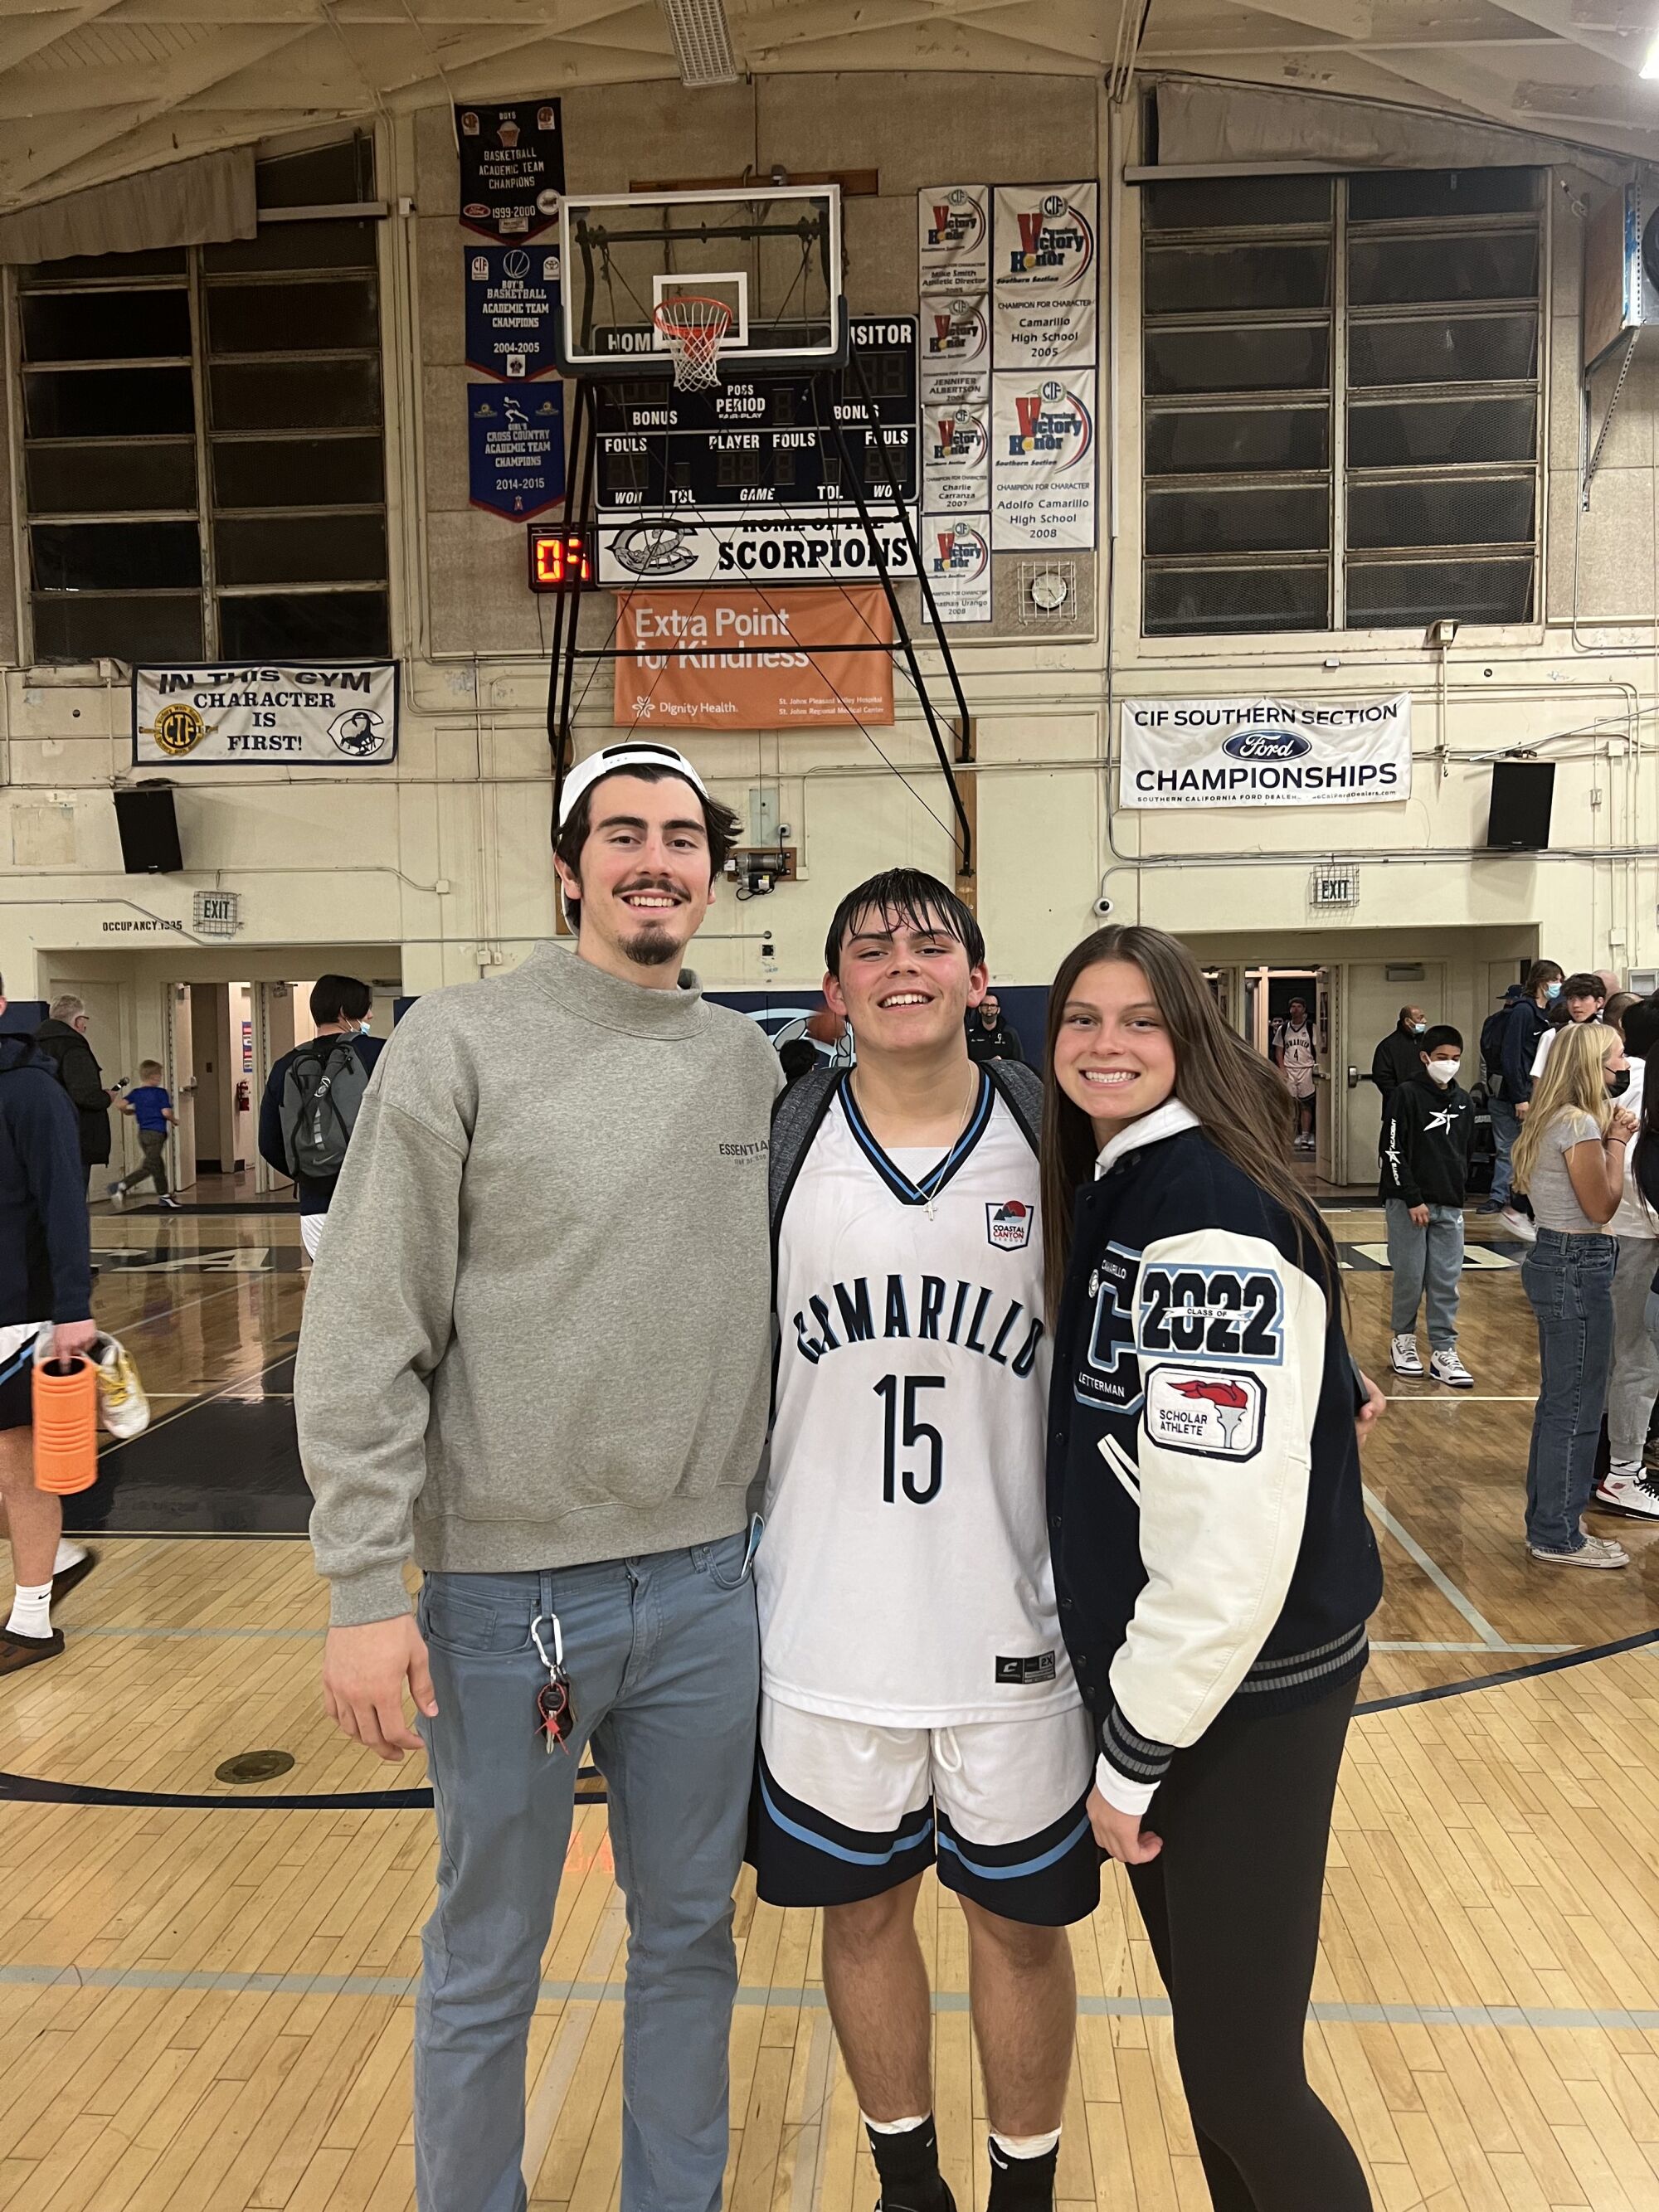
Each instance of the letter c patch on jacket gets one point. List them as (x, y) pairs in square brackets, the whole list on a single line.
[(1217, 1414)]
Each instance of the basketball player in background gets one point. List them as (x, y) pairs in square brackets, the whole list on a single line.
[(916, 1697)]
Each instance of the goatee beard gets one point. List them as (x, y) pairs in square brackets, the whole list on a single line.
[(653, 948)]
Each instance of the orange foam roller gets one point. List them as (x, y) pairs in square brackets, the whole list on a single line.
[(65, 1426)]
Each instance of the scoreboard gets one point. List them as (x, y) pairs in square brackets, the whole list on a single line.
[(761, 441)]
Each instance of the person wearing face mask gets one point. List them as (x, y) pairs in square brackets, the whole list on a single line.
[(1398, 1058), (1427, 1128), (340, 1009)]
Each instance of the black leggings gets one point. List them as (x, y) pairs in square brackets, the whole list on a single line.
[(1231, 1907)]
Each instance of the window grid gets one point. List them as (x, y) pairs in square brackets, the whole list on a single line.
[(73, 599), (1230, 457)]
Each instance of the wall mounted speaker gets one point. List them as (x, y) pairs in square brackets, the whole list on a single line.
[(1520, 794), (149, 830)]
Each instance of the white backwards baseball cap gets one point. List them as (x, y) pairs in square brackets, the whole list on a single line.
[(610, 760)]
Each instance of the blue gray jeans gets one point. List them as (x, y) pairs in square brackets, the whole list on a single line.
[(1505, 1128), (664, 1658), (1569, 1280), (1429, 1259)]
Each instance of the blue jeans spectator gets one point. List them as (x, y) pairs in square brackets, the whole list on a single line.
[(1569, 1280), (663, 1655), (1505, 1128)]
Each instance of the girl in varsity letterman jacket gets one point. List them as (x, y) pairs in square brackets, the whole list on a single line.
[(1214, 1566)]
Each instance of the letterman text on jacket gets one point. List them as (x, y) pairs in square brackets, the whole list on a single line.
[(1209, 1533)]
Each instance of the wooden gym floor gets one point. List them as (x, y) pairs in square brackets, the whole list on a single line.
[(206, 1990)]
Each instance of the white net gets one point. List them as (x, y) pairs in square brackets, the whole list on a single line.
[(692, 327)]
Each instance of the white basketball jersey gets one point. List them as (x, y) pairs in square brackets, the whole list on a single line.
[(904, 1577)]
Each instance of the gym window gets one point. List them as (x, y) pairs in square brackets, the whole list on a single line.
[(1341, 394), (203, 469)]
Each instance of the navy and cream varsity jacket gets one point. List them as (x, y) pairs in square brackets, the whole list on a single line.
[(1209, 1535)]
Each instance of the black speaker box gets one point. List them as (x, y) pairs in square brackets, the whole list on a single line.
[(1520, 794), (149, 830)]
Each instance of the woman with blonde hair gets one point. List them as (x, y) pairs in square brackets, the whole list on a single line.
[(1570, 1160)]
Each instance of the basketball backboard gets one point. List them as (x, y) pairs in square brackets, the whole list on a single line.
[(770, 254)]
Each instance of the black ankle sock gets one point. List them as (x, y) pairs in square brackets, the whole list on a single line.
[(908, 2164), (1022, 2184)]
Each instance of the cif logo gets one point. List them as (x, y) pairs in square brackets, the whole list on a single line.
[(959, 332), (1056, 240), (963, 440), (963, 554), (1052, 421), (178, 730), (958, 223), (1267, 746)]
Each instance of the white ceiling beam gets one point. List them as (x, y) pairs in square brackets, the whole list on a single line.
[(23, 35), (1625, 49), (1346, 19)]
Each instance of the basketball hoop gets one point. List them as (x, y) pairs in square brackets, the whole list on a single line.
[(692, 327)]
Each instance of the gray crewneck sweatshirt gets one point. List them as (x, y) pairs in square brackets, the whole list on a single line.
[(539, 1330)]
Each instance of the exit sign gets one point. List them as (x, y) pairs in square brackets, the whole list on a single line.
[(560, 560), (216, 913), (1334, 887)]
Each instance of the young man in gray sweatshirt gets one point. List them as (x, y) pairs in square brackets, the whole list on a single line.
[(536, 1361)]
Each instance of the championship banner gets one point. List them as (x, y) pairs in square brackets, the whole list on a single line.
[(742, 660), (1045, 275), (324, 717), (1042, 461), (953, 225), (511, 162), (1264, 752)]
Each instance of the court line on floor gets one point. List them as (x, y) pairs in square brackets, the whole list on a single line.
[(24, 1789), (1442, 1582), (403, 1986)]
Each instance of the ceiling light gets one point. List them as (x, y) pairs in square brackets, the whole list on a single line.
[(703, 42), (1650, 66)]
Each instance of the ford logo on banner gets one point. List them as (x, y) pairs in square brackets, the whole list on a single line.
[(1267, 746)]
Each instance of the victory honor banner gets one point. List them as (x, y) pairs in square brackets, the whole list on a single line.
[(1264, 752)]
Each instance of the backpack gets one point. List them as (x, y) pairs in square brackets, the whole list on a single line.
[(322, 1093), (1494, 1032)]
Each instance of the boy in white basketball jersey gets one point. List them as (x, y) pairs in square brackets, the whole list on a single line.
[(917, 1703)]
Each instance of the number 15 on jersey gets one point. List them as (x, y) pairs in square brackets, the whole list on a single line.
[(920, 1489)]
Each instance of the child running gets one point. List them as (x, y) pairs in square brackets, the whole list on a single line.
[(1214, 1566), (151, 1107)]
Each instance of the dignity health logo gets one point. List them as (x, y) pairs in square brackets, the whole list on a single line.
[(1056, 240), (1054, 422)]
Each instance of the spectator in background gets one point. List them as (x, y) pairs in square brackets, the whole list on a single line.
[(1627, 1487), (1428, 1124), (1569, 1157), (798, 1058), (339, 1007), (1528, 1021), (989, 1037), (1584, 995), (151, 1107), (1613, 1015), (45, 1278), (62, 1037), (1296, 1057), (1399, 1055)]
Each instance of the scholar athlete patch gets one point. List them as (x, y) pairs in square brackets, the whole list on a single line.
[(1214, 1413), (1008, 1224)]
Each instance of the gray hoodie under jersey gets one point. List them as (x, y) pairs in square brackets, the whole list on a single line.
[(539, 1330)]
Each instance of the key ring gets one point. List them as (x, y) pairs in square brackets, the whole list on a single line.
[(557, 1660)]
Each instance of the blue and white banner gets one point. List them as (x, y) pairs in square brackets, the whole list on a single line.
[(1264, 752)]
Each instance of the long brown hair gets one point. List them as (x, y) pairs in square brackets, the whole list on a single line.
[(1239, 1098)]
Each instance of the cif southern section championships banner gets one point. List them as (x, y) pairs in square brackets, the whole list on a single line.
[(742, 660), (342, 715), (1264, 752)]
